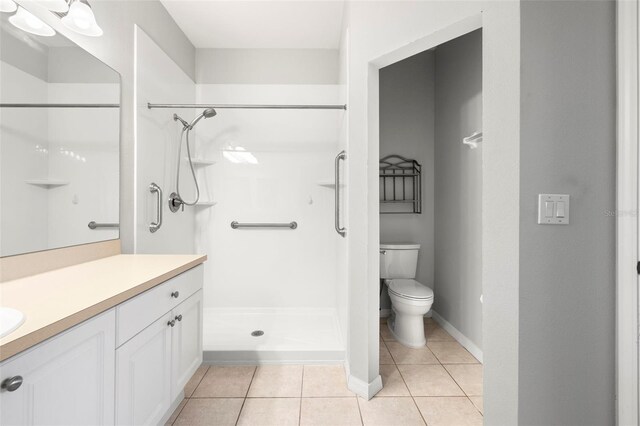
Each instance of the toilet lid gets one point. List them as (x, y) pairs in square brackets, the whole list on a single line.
[(410, 289)]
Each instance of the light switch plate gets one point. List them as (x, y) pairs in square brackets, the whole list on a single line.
[(553, 209)]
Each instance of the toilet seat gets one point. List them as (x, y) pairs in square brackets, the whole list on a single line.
[(410, 289)]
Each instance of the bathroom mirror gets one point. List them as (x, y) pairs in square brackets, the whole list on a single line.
[(59, 143)]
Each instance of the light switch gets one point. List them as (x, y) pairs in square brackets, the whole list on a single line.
[(553, 209), (548, 208)]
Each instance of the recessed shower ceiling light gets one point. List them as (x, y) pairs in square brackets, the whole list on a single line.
[(8, 6), (60, 6), (26, 21), (82, 20)]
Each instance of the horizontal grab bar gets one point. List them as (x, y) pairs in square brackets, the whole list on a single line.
[(245, 106), (95, 225), (290, 225)]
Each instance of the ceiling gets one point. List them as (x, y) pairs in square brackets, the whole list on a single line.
[(297, 24)]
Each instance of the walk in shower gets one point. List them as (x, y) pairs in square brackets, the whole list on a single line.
[(266, 210)]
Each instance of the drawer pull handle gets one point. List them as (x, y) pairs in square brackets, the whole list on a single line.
[(175, 294), (12, 383), (179, 317), (171, 323)]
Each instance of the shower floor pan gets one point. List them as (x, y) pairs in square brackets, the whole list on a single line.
[(271, 336)]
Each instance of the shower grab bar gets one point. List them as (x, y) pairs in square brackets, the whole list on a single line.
[(245, 106), (96, 225), (290, 225), (154, 226), (339, 229)]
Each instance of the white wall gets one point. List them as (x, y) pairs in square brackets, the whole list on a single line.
[(267, 66), (375, 30), (458, 185), (160, 80), (293, 151), (407, 126)]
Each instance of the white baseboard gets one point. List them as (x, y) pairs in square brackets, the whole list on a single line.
[(461, 338), (360, 387)]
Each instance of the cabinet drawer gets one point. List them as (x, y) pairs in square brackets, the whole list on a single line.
[(136, 314)]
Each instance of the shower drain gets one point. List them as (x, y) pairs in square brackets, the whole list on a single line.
[(257, 333)]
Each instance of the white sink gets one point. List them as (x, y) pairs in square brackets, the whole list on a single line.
[(10, 319)]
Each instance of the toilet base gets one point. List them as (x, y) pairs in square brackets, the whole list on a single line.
[(407, 329)]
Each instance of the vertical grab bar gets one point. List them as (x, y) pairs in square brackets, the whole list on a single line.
[(339, 229), (154, 226)]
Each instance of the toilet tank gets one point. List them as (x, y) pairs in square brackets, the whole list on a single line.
[(398, 260)]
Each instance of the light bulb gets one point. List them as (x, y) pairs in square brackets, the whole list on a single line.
[(30, 23), (81, 20), (8, 6)]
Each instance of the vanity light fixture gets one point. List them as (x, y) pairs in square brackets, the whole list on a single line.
[(81, 19), (8, 6), (30, 23), (59, 6)]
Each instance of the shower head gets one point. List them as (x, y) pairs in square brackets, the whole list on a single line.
[(207, 113)]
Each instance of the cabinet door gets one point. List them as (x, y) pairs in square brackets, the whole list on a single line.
[(186, 341), (67, 380), (143, 375)]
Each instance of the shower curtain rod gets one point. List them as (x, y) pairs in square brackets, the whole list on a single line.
[(41, 105), (234, 106)]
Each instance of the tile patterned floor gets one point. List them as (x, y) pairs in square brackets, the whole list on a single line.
[(438, 385)]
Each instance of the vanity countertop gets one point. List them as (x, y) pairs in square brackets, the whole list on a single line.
[(57, 300)]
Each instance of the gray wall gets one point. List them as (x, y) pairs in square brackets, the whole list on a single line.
[(267, 66), (407, 128), (458, 185), (116, 49), (567, 280)]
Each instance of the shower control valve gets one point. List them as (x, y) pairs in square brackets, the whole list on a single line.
[(175, 202)]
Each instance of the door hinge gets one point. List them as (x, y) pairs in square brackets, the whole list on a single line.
[(638, 268)]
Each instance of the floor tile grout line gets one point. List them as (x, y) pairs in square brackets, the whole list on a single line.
[(359, 410), (199, 382), (413, 398), (180, 412), (245, 395), (301, 390), (192, 393), (453, 378)]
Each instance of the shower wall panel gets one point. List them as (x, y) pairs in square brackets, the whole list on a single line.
[(271, 166), (23, 156), (160, 80)]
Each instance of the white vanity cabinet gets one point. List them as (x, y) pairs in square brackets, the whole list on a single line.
[(125, 366), (161, 354), (66, 380)]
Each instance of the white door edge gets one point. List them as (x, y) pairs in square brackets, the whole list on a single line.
[(627, 361)]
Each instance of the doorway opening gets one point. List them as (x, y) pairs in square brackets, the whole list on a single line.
[(430, 149)]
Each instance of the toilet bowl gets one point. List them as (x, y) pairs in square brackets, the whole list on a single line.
[(410, 300)]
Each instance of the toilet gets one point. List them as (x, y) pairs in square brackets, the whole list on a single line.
[(410, 300)]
